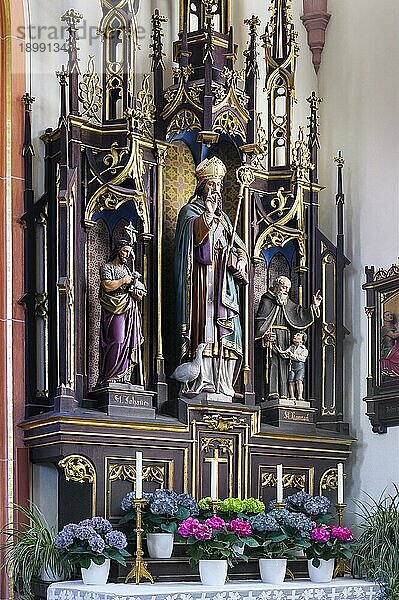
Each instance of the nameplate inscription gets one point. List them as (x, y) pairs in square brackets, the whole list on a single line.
[(293, 415), (127, 400), (391, 410)]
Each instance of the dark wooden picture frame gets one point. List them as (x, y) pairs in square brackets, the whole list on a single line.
[(382, 310)]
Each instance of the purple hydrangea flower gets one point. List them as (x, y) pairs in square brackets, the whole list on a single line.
[(204, 532), (341, 533), (320, 534), (240, 527), (188, 527), (215, 523)]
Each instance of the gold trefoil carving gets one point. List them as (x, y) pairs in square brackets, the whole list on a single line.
[(185, 120), (228, 123), (329, 480), (78, 468), (219, 423), (128, 473), (290, 480), (224, 445)]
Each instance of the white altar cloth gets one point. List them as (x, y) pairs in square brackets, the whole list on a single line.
[(301, 589)]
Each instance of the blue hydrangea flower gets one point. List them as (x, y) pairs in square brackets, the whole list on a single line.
[(164, 503), (263, 522), (318, 505), (96, 543), (300, 523), (297, 500), (99, 524), (188, 502), (116, 539)]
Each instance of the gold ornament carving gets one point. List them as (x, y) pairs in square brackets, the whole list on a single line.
[(229, 124), (143, 114), (382, 274), (112, 160), (224, 445), (329, 480), (185, 120), (290, 480), (301, 162), (90, 92), (78, 468), (218, 423), (128, 473)]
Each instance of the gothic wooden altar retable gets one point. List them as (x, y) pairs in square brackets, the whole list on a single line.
[(123, 159)]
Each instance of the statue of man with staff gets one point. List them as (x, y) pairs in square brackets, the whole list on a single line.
[(210, 263)]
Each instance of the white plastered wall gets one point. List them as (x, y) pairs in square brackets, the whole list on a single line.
[(359, 82)]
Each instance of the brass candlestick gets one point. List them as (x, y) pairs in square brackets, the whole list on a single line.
[(279, 505), (214, 506), (342, 568), (139, 570)]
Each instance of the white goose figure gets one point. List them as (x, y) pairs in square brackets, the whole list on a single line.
[(189, 371)]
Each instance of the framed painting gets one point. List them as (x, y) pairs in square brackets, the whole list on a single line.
[(382, 310)]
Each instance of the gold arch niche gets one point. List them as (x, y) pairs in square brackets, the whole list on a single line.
[(80, 469), (179, 183)]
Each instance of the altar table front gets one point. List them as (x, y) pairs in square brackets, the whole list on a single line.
[(302, 589)]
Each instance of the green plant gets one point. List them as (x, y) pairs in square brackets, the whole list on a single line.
[(29, 549), (376, 555)]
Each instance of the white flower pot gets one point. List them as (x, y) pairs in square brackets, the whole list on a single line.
[(213, 572), (49, 574), (96, 574), (160, 545), (272, 570), (323, 573), (238, 549)]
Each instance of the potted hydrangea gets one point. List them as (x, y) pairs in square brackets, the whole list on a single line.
[(279, 534), (326, 544), (315, 507), (211, 545), (233, 508), (163, 512), (91, 545)]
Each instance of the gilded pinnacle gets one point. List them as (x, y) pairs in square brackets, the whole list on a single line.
[(72, 17)]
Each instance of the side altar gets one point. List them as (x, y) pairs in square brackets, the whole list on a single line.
[(180, 297)]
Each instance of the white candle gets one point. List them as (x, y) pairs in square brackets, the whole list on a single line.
[(340, 483), (214, 479), (279, 484), (139, 474)]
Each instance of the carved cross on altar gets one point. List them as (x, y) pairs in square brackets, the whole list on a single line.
[(215, 460), (132, 233)]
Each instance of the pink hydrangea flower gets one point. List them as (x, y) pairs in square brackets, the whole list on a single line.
[(342, 533), (189, 527), (215, 523), (320, 534), (204, 532), (240, 527)]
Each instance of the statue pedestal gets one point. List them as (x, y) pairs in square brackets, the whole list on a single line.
[(205, 397), (123, 400), (289, 414)]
